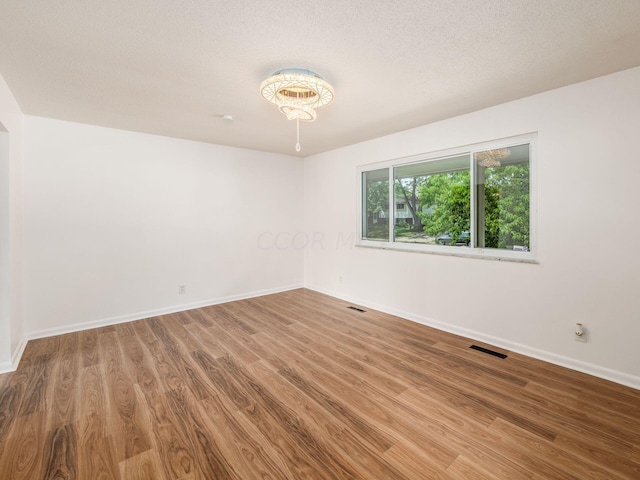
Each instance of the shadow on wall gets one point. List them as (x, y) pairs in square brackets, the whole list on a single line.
[(5, 353)]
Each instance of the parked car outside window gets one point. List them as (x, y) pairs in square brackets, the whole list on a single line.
[(446, 239)]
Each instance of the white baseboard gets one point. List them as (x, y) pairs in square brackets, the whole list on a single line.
[(578, 365), (585, 367), (76, 327), (11, 366), (17, 355), (6, 367)]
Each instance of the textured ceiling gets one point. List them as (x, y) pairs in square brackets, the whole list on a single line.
[(174, 67)]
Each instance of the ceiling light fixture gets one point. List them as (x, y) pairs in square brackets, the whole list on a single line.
[(297, 92), (491, 158)]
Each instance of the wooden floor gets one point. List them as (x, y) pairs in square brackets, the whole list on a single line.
[(297, 386)]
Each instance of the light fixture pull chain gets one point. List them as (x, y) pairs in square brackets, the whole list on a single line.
[(297, 134)]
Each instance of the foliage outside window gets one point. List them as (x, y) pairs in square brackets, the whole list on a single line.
[(503, 201), (375, 218), (479, 199)]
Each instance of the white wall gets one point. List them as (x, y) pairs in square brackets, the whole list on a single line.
[(588, 231), (116, 220), (5, 257), (11, 130)]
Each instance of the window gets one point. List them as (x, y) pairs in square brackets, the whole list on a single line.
[(437, 195), (475, 200), (375, 201), (503, 199)]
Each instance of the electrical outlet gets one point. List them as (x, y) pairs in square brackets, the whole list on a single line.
[(582, 339), (580, 333), (182, 289)]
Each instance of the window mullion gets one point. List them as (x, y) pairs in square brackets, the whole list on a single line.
[(472, 209), (392, 206), (480, 207)]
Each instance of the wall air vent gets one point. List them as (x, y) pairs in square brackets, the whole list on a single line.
[(490, 352)]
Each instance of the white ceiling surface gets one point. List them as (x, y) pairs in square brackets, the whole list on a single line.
[(174, 67)]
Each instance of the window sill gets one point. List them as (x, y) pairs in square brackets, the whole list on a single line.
[(452, 252)]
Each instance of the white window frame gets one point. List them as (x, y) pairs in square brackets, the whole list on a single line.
[(471, 251)]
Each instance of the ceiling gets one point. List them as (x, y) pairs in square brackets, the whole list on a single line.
[(174, 67)]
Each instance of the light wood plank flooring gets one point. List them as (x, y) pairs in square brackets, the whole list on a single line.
[(297, 386)]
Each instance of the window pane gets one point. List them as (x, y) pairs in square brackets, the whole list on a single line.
[(502, 196), (437, 201), (375, 193)]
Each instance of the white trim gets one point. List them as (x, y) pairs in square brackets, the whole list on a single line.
[(17, 355), (392, 209), (12, 366), (50, 332), (449, 252), (571, 363)]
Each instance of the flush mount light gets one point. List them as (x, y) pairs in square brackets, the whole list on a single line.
[(297, 93)]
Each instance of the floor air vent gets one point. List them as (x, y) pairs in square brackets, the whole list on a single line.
[(490, 352), (357, 309)]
